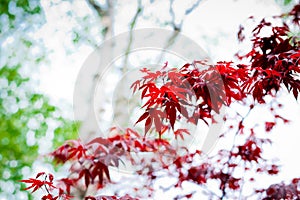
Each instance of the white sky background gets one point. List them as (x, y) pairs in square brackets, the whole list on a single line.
[(213, 25)]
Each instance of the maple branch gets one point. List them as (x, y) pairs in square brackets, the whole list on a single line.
[(46, 185), (232, 148), (241, 123)]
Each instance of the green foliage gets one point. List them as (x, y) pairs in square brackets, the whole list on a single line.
[(286, 2), (26, 5), (26, 119), (66, 132)]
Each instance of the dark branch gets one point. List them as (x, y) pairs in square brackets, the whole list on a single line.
[(100, 11)]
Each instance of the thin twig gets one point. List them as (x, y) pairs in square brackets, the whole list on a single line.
[(132, 25), (194, 6), (104, 14), (100, 11), (176, 27), (233, 146)]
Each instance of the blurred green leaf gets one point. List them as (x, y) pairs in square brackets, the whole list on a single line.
[(286, 2), (26, 5), (16, 129)]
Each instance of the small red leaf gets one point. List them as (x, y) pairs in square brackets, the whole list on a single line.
[(144, 116), (40, 174), (50, 177), (148, 124), (180, 133)]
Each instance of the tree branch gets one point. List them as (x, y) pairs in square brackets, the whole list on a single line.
[(177, 27), (132, 25)]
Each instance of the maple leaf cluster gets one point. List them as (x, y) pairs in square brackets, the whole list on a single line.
[(274, 57), (196, 91), (45, 181), (90, 163)]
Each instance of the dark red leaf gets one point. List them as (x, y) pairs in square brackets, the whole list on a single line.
[(148, 124), (144, 116), (40, 174)]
